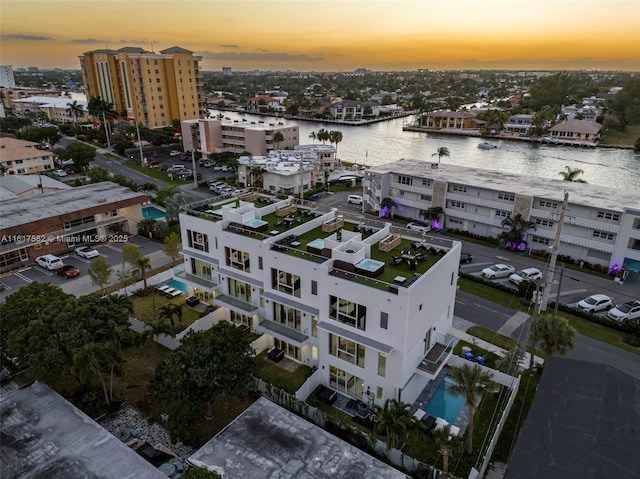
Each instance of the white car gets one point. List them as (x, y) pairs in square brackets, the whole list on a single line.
[(498, 271), (174, 153), (60, 173), (175, 168), (49, 262), (527, 274), (595, 303), (624, 311), (354, 199), (417, 226), (86, 252)]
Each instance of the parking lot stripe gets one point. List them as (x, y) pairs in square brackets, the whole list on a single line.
[(24, 278), (113, 248)]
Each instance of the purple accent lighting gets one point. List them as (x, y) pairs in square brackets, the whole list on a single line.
[(383, 211), (436, 224)]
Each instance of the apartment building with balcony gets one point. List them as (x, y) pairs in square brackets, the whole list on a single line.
[(20, 157), (370, 309), (53, 222), (152, 88), (600, 225), (214, 135)]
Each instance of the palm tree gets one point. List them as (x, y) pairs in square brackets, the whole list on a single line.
[(571, 174), (518, 228), (335, 136), (158, 327), (386, 207), (122, 300), (146, 227), (87, 360), (277, 139), (448, 445), (256, 175), (432, 215), (165, 193), (442, 151), (471, 381), (75, 109), (395, 422), (553, 335), (166, 311), (322, 135), (3, 169), (115, 336), (312, 135), (143, 264), (148, 187)]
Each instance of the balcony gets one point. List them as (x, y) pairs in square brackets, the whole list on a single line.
[(269, 326), (237, 304), (437, 355), (181, 272)]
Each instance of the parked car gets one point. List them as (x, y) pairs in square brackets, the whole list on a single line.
[(595, 303), (218, 168), (175, 168), (624, 311), (86, 252), (175, 153), (68, 271), (498, 271), (188, 175), (49, 262), (60, 173), (354, 199), (215, 182), (5, 375), (418, 226), (466, 258), (207, 164), (529, 274)]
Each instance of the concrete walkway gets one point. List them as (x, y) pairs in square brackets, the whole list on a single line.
[(456, 333), (513, 323)]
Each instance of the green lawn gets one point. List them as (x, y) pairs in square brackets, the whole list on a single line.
[(146, 308), (626, 137), (273, 374)]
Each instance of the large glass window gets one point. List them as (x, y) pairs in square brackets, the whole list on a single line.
[(240, 319), (237, 259), (287, 315), (239, 290), (285, 282), (199, 241), (200, 268), (348, 312), (382, 364), (345, 382), (290, 350), (346, 350)]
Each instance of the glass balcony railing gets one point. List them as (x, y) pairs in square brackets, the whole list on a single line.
[(268, 326), (181, 272), (437, 355)]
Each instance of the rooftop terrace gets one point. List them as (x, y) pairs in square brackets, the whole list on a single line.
[(382, 256)]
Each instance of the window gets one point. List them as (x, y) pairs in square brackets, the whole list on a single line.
[(201, 269), (259, 262), (345, 382), (426, 182), (382, 364), (503, 213), (199, 241), (603, 235), (287, 315), (606, 215), (314, 326), (405, 180), (426, 197), (543, 222), (458, 188), (237, 259), (548, 204), (457, 204), (348, 312), (240, 319), (384, 320), (540, 240), (380, 393), (285, 282), (506, 196), (346, 350), (314, 287)]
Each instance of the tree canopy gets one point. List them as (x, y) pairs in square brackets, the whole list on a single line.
[(80, 153)]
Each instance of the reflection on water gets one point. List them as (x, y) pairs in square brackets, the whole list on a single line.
[(385, 142)]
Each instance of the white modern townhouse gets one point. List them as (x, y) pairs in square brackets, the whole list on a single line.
[(365, 306), (601, 225)]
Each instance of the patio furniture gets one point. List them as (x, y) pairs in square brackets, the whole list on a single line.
[(429, 422), (162, 289), (275, 355), (327, 396), (192, 301)]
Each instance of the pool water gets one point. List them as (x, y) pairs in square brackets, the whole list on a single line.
[(152, 213), (444, 405), (255, 223), (370, 264), (174, 283)]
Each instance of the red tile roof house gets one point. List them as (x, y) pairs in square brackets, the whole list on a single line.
[(262, 103), (576, 132)]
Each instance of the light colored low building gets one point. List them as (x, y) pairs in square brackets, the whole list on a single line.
[(55, 108), (20, 157), (601, 224)]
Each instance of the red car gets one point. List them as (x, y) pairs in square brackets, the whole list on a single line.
[(68, 271)]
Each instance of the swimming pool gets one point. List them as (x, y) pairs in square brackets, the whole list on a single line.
[(152, 213), (370, 264), (444, 405), (255, 223), (174, 283)]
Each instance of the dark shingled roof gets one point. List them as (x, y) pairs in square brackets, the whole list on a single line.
[(584, 423)]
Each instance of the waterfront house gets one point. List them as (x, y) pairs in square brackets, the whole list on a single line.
[(576, 132)]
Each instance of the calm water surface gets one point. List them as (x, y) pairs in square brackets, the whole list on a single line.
[(385, 142)]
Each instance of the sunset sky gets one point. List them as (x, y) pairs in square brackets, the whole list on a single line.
[(326, 35)]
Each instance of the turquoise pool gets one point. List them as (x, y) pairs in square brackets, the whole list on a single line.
[(444, 405), (174, 283), (369, 264), (152, 213), (255, 223)]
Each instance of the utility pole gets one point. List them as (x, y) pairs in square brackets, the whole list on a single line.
[(554, 256), (140, 144), (194, 129), (106, 130), (555, 306)]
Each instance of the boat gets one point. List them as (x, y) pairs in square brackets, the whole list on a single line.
[(487, 146)]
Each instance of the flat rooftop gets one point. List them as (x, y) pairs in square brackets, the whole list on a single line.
[(45, 436), (579, 193), (19, 211), (267, 441)]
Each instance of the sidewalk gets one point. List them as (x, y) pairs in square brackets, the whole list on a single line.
[(456, 333)]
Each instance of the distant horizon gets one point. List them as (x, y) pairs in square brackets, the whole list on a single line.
[(333, 36)]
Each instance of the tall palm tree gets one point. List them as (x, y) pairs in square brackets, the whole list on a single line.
[(166, 311), (518, 228), (256, 175), (75, 109), (143, 264), (115, 336), (553, 335), (156, 328), (147, 226), (322, 135), (88, 360), (440, 152), (335, 136), (471, 381), (277, 139), (395, 422), (312, 135), (148, 187), (122, 300), (571, 174), (166, 192)]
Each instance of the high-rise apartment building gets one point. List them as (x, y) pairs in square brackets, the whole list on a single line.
[(6, 77), (152, 88)]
